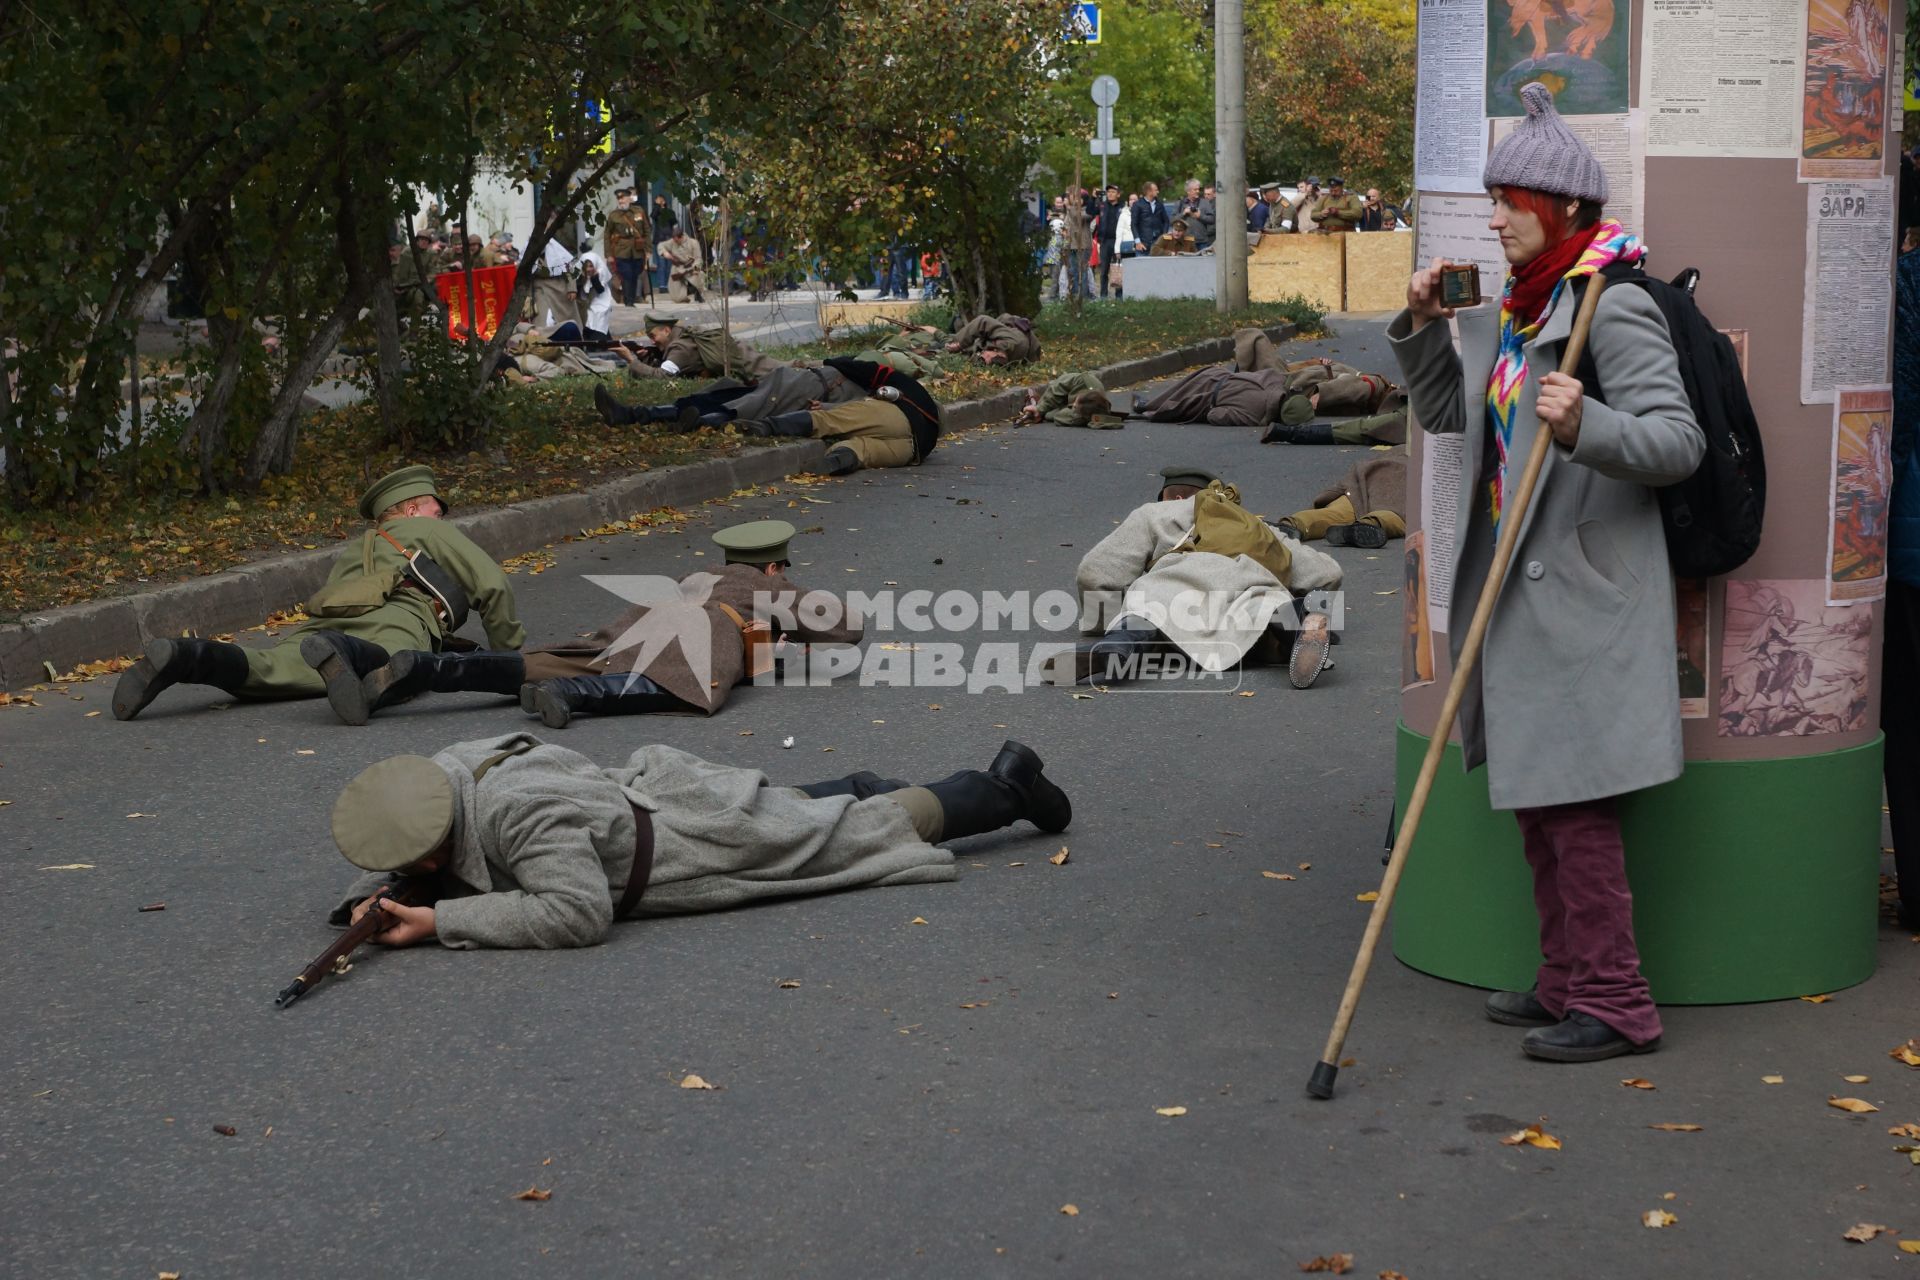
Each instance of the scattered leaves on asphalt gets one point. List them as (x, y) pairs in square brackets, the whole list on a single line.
[(1773, 1079), (533, 1193), (1338, 1263), (1071, 1210), (1059, 859), (691, 1081), (1278, 875), (1861, 1232), (1657, 1218), (1858, 1106), (1905, 1131), (1637, 1083), (1670, 1127), (1908, 1053), (1534, 1136), (1169, 1111)]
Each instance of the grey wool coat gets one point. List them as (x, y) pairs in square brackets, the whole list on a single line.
[(1576, 696), (544, 843)]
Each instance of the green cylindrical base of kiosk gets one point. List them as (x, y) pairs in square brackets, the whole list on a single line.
[(1752, 880)]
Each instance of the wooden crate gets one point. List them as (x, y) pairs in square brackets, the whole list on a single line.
[(1378, 264), (1312, 266), (858, 315)]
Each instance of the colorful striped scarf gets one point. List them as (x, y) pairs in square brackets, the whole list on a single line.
[(1611, 244)]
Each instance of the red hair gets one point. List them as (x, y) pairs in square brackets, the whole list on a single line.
[(1552, 211)]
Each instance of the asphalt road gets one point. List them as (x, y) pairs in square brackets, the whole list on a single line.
[(930, 1097)]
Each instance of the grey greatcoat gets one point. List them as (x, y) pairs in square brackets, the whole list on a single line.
[(1221, 396), (1576, 695), (1212, 607), (790, 389), (544, 843)]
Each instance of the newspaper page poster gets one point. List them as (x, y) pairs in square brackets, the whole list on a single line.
[(1722, 77), (1690, 645), (1843, 115), (1450, 119), (1857, 506), (1620, 144), (1455, 228), (1849, 288), (1791, 665), (1416, 657), (1577, 48), (1442, 460)]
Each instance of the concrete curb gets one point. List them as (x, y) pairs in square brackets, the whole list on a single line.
[(241, 597)]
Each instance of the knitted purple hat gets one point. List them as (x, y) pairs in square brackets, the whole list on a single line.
[(1542, 154)]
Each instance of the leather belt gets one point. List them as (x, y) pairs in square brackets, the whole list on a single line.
[(439, 609), (756, 641), (642, 870)]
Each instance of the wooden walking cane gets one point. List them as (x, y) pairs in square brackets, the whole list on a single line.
[(1320, 1084)]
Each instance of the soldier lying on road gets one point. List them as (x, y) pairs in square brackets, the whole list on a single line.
[(533, 845), (1072, 400)]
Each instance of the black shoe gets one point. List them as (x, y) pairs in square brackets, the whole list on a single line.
[(1309, 657), (1581, 1038), (1369, 536), (1518, 1009), (615, 413), (184, 661), (840, 461), (342, 660), (1047, 805), (555, 701)]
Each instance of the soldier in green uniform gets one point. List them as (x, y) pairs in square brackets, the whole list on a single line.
[(627, 240), (413, 291), (680, 654), (409, 583), (1072, 400), (698, 351), (1338, 210), (528, 844)]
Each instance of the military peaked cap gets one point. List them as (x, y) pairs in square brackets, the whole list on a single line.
[(397, 486), (393, 813), (757, 542)]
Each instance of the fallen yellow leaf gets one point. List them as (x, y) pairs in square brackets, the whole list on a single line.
[(1658, 1218), (533, 1193), (1338, 1263), (1855, 1105), (1278, 875), (1637, 1083), (695, 1082), (1908, 1053), (1861, 1232), (1306, 866), (1910, 1246), (1369, 896), (1059, 859), (1534, 1136), (1246, 693), (1169, 1111), (1816, 999), (1855, 1079), (1670, 1127), (70, 866), (918, 920), (789, 984), (1071, 1210), (304, 751), (91, 714), (1905, 1131), (1773, 1079)]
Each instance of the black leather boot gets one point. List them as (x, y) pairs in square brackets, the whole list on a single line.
[(797, 423), (1048, 807), (840, 461), (184, 661), (858, 785), (976, 801), (1580, 1038), (415, 671), (615, 413), (1371, 537), (1305, 433), (342, 660), (555, 701)]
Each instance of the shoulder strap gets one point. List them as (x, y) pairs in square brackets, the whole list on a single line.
[(486, 766)]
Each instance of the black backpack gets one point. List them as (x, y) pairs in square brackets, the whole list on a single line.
[(1712, 517)]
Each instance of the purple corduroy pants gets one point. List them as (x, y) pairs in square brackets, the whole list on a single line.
[(1580, 889)]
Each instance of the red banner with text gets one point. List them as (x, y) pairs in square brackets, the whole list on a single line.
[(492, 287)]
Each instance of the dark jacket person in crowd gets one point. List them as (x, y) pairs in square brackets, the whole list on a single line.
[(1574, 702)]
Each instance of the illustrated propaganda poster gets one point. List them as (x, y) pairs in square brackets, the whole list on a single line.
[(1577, 48), (1790, 664), (1416, 660), (1690, 644), (1857, 511), (1843, 110)]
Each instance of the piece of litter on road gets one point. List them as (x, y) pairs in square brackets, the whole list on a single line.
[(137, 814), (1658, 1218), (786, 742), (1060, 860), (1773, 1079), (789, 984), (303, 751), (226, 1130), (155, 906), (691, 1081)]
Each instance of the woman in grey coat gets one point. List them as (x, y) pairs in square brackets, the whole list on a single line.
[(1575, 701)]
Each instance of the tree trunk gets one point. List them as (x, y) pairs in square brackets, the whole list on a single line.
[(273, 448), (389, 368), (206, 432)]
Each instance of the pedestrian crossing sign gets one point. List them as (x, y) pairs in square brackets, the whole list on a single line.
[(1083, 23)]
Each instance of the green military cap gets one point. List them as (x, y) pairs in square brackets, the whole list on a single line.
[(393, 813), (1297, 411), (1269, 186), (758, 542), (397, 486), (1186, 475), (654, 320)]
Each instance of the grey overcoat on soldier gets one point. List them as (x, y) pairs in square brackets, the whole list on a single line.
[(1011, 335), (1374, 484), (697, 616), (1576, 696), (544, 842), (1221, 396), (794, 387)]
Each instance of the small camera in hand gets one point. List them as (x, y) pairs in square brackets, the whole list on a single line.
[(1460, 285)]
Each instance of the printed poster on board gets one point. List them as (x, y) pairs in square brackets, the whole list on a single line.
[(1577, 48), (1857, 501), (1843, 110), (1791, 665)]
